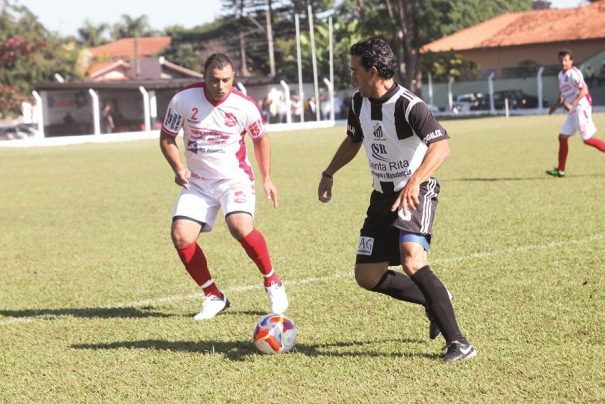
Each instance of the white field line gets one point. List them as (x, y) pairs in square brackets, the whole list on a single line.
[(304, 281)]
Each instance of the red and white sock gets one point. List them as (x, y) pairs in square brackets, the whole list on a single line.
[(196, 264), (256, 247)]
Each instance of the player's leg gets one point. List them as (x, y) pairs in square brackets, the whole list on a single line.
[(570, 126), (378, 248), (588, 129), (415, 264), (195, 212), (254, 243), (238, 201), (559, 170)]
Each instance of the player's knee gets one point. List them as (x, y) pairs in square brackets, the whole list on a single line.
[(412, 263), (366, 279), (181, 238)]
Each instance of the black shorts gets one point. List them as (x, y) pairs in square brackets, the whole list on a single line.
[(379, 236)]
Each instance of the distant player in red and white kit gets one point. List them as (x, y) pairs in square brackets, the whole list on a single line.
[(575, 98), (215, 117)]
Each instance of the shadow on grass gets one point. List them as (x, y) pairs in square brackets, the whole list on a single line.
[(93, 312), (240, 350)]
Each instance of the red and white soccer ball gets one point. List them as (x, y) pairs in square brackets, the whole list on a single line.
[(274, 333)]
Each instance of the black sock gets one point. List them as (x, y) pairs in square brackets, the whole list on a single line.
[(400, 287), (438, 303)]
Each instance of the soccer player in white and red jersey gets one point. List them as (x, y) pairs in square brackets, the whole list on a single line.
[(575, 98), (214, 118), (405, 146)]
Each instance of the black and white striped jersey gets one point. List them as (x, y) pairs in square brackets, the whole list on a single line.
[(396, 130)]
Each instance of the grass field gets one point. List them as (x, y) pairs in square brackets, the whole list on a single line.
[(96, 307)]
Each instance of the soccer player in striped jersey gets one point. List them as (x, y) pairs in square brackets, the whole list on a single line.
[(405, 146), (575, 98), (214, 118)]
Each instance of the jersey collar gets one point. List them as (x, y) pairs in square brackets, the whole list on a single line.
[(390, 92)]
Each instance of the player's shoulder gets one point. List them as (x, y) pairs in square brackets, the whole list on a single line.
[(577, 73), (194, 87), (242, 99), (407, 94), (189, 92)]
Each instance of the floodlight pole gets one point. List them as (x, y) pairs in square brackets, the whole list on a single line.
[(331, 52), (314, 60), (301, 94)]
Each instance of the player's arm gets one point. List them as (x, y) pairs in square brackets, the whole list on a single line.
[(435, 137), (346, 152), (170, 151), (436, 154), (262, 152), (554, 106), (581, 94)]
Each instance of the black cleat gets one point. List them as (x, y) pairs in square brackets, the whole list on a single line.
[(457, 351)]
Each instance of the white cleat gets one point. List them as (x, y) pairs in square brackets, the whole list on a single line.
[(211, 306), (278, 301)]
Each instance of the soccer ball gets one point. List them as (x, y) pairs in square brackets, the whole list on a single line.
[(274, 333)]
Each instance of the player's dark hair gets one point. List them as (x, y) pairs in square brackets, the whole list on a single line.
[(376, 52), (565, 52), (217, 61)]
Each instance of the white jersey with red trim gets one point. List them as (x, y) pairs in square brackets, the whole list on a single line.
[(570, 84), (213, 132)]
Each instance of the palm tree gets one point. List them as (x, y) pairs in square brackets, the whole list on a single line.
[(92, 35), (131, 27)]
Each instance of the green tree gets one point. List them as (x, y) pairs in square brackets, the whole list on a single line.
[(92, 35), (410, 24), (130, 27), (464, 14), (29, 54)]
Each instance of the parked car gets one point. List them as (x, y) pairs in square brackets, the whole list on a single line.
[(516, 99), (466, 102)]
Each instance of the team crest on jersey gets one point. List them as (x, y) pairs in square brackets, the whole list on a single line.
[(378, 133), (192, 146), (230, 120), (366, 245)]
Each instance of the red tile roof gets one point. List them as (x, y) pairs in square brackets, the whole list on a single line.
[(529, 27), (124, 48)]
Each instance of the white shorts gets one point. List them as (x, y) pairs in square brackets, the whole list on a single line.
[(579, 120), (203, 199)]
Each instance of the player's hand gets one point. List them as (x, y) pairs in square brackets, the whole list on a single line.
[(181, 177), (271, 192), (408, 198), (324, 191)]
